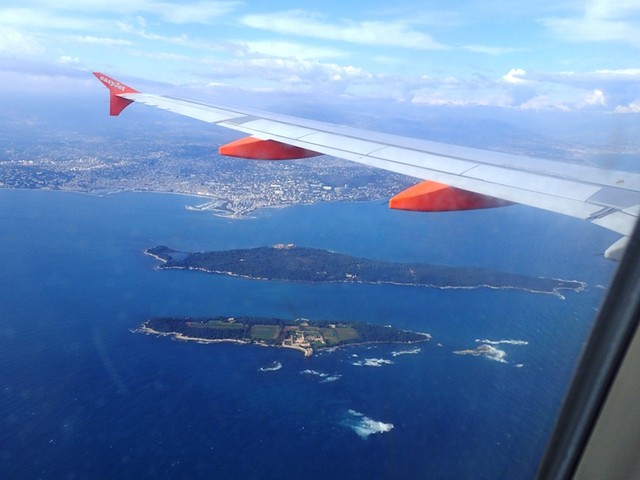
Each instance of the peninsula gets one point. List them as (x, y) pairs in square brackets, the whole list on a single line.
[(287, 262), (300, 334)]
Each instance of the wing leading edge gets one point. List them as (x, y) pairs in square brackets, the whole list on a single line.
[(610, 199)]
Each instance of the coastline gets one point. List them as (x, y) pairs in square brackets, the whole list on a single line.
[(144, 329), (185, 338), (427, 338), (160, 259)]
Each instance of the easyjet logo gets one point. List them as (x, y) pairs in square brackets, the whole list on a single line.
[(112, 83)]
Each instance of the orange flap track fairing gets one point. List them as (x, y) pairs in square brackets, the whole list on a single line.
[(436, 197), (257, 149)]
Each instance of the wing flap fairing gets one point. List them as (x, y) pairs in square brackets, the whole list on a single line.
[(256, 149), (437, 197)]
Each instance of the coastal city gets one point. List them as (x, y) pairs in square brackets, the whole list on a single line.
[(229, 186)]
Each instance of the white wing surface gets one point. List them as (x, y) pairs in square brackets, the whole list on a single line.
[(610, 199)]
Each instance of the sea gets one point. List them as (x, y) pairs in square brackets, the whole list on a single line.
[(83, 396)]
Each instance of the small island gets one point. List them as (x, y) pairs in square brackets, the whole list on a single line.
[(301, 334), (487, 351), (287, 262)]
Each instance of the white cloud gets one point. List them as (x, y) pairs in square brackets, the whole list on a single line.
[(31, 74), (633, 107), (67, 60), (516, 89), (595, 30), (568, 100), (489, 50), (601, 20), (291, 50), (592, 79), (16, 43), (306, 24), (632, 74), (142, 33), (165, 56), (609, 91), (619, 87), (41, 19), (182, 40), (106, 41), (461, 92), (543, 102), (202, 12), (594, 98), (514, 76), (608, 9), (439, 100), (291, 70)]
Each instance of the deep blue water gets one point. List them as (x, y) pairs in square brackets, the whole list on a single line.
[(83, 397)]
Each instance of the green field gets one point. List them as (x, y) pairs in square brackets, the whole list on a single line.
[(311, 330), (264, 332), (219, 324), (333, 336)]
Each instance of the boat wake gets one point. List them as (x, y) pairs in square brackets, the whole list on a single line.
[(498, 342), (272, 367)]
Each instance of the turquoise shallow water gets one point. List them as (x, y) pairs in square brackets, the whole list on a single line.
[(83, 397)]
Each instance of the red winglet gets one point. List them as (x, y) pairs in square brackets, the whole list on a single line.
[(116, 88)]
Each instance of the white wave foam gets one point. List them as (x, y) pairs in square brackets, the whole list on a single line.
[(411, 351), (365, 426), (498, 342), (496, 354), (271, 368), (372, 362), (325, 377)]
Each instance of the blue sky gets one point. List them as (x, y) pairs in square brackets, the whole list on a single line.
[(542, 55)]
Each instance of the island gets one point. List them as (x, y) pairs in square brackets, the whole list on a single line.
[(287, 262), (300, 334)]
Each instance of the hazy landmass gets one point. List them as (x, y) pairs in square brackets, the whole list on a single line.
[(311, 265)]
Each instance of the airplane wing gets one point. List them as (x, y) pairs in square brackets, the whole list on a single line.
[(466, 177)]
